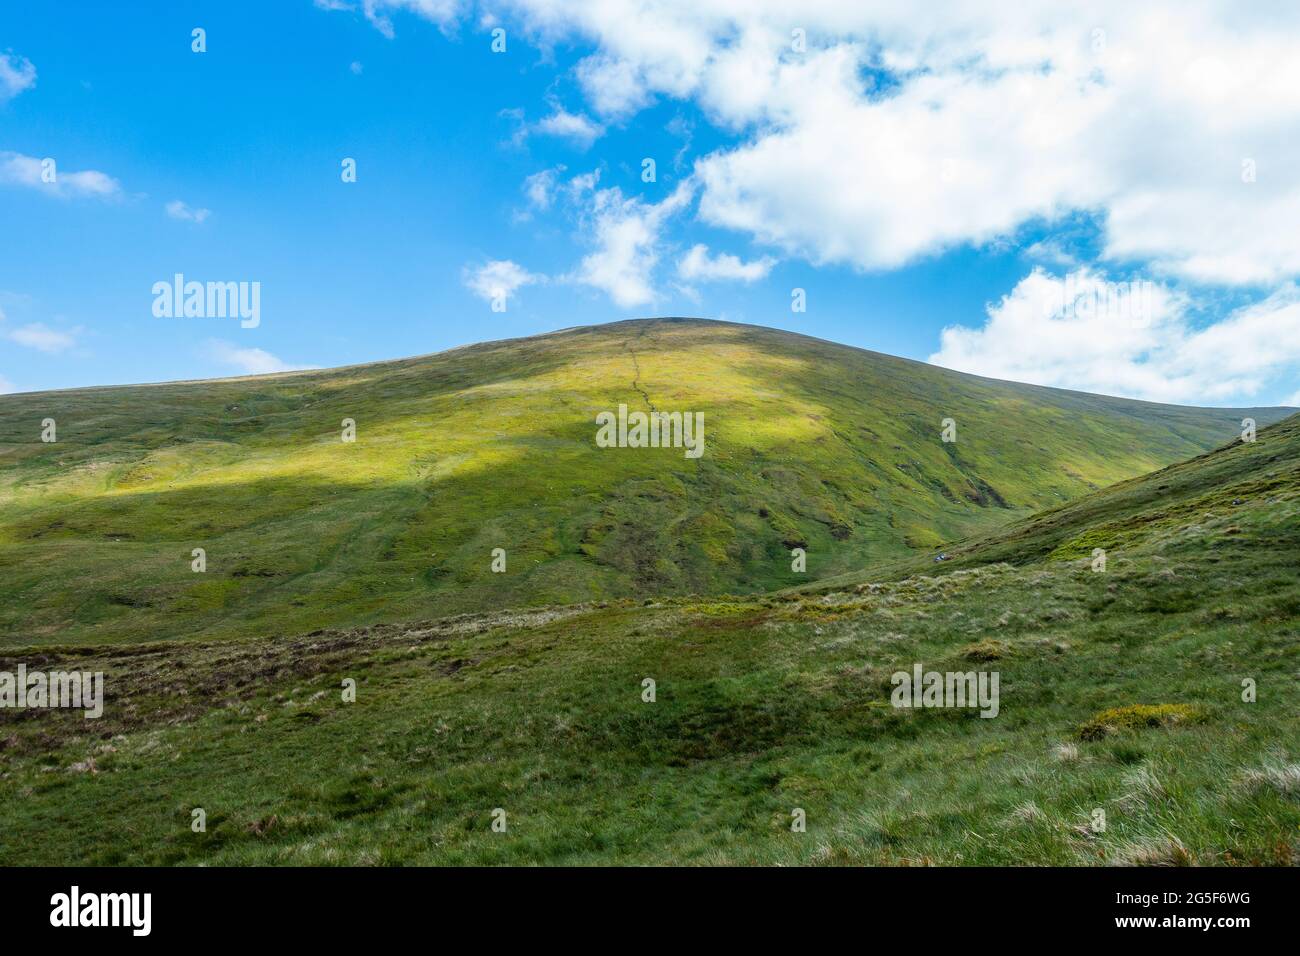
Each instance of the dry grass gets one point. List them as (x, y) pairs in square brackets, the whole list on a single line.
[(1167, 850), (1282, 778)]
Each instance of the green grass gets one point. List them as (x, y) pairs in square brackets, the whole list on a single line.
[(809, 444), (765, 703), (1197, 508)]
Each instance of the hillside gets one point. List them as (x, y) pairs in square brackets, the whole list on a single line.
[(807, 444), (1198, 508), (1124, 734)]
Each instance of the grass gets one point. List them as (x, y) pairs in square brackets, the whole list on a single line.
[(1135, 716), (764, 703), (808, 444)]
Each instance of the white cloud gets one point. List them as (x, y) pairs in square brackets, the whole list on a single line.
[(580, 185), (16, 74), (901, 132), (626, 233), (1082, 332), (540, 187), (356, 67), (179, 210), (698, 264), (987, 119), (42, 337), (35, 335), (7, 386), (249, 361), (498, 279), (31, 172), (1052, 251), (575, 127), (879, 183), (615, 87)]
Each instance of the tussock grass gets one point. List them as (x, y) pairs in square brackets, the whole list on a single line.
[(1135, 717), (1280, 778), (1157, 851)]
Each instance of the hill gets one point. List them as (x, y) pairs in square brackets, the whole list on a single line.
[(807, 444), (1195, 509), (1146, 715)]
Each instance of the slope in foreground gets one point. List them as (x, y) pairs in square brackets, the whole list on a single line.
[(1124, 732)]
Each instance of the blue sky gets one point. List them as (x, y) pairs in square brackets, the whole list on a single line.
[(912, 177)]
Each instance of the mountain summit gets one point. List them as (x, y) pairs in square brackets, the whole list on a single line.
[(381, 492)]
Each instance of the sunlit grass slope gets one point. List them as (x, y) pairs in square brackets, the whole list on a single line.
[(1122, 692), (1197, 508), (808, 444)]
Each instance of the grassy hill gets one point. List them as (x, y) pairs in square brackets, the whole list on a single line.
[(808, 444), (1121, 692), (1193, 509)]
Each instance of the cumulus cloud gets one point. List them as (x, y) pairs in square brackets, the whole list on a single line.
[(1052, 251), (1136, 339), (42, 338), (626, 233), (179, 210), (16, 74), (897, 133), (894, 132), (36, 335), (46, 175), (540, 187), (249, 361), (698, 264), (498, 279), (577, 189), (575, 127), (616, 87)]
